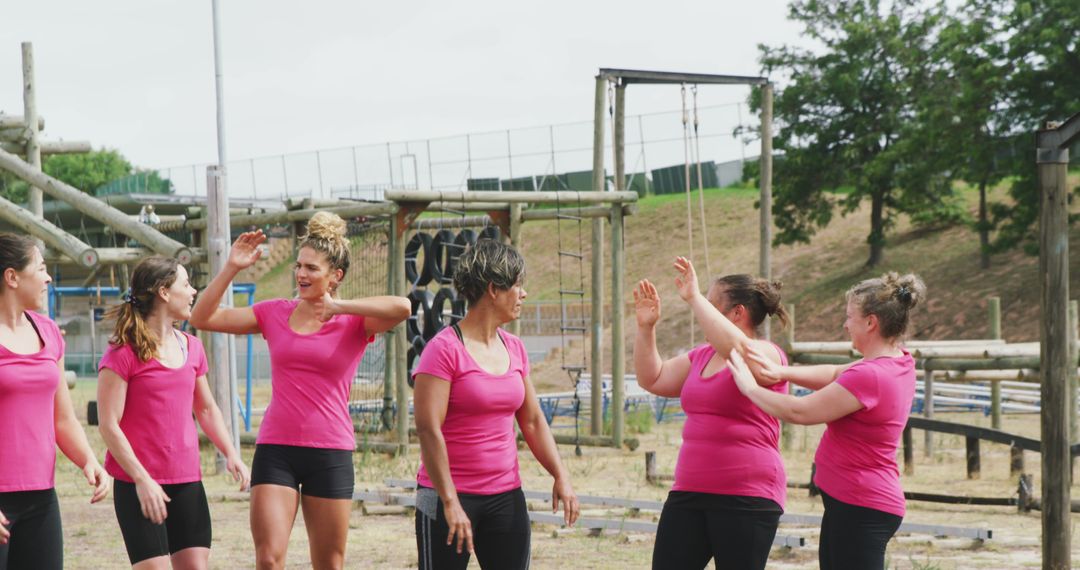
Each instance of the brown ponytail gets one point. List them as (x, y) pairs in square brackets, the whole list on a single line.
[(890, 298), (149, 277)]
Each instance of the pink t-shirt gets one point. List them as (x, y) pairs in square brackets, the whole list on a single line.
[(158, 420), (310, 376), (730, 446), (28, 384), (479, 425), (856, 459)]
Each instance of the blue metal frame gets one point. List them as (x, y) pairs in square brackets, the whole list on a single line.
[(245, 406)]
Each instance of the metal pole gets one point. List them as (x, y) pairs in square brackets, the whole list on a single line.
[(318, 167), (644, 162), (596, 360), (764, 259), (1054, 355), (30, 115), (390, 340), (221, 228), (515, 241)]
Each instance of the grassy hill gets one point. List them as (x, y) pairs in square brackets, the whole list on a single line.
[(815, 275)]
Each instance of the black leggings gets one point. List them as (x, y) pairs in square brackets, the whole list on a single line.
[(500, 526), (694, 529), (853, 536), (187, 521), (37, 540)]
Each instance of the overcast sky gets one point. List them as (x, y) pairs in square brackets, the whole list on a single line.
[(138, 75)]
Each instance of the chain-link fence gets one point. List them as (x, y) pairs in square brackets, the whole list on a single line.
[(557, 156)]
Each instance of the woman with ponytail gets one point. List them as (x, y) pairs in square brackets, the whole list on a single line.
[(303, 454), (866, 406), (151, 383), (38, 415), (730, 483)]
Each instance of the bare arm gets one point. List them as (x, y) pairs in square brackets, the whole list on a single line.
[(380, 313), (537, 434), (814, 377), (71, 439), (722, 334), (431, 397), (208, 314), (830, 403), (655, 375), (213, 425)]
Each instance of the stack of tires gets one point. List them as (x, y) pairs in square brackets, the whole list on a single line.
[(430, 260)]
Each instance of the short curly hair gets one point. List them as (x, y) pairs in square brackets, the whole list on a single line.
[(487, 262)]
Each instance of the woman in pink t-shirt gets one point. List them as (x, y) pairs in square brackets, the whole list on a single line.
[(729, 478), (37, 413), (151, 381), (303, 454), (472, 382), (866, 406)]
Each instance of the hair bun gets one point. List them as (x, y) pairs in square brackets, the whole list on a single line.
[(327, 226)]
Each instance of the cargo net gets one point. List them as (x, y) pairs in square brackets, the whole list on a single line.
[(367, 277)]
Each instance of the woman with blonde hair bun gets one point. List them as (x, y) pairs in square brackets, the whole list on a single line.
[(865, 405), (303, 453)]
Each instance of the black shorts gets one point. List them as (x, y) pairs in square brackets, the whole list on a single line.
[(37, 540), (187, 524), (325, 473)]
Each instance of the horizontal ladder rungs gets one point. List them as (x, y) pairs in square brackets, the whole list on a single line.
[(572, 254), (575, 329), (573, 367), (572, 292)]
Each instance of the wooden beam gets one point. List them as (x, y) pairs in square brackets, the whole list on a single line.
[(44, 230), (96, 209), (562, 196), (18, 122), (48, 147), (283, 217), (32, 150)]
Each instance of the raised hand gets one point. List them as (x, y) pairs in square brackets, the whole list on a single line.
[(646, 304), (245, 250), (686, 281)]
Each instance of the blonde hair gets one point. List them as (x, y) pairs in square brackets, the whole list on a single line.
[(149, 276), (326, 234), (890, 298)]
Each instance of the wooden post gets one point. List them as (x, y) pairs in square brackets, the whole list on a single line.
[(909, 453), (994, 304), (30, 114), (650, 467), (515, 241), (1023, 504), (218, 245), (786, 342), (618, 347), (928, 409), (1074, 350), (399, 225), (390, 340), (765, 255), (1016, 460), (596, 284), (973, 460), (1053, 159)]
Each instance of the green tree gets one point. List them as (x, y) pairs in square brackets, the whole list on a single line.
[(90, 172), (1044, 50), (964, 103), (845, 116)]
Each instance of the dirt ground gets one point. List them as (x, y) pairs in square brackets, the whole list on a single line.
[(92, 538)]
